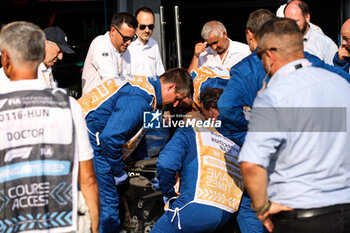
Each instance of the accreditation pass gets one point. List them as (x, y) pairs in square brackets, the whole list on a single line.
[(34, 125)]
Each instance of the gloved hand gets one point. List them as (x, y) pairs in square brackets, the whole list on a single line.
[(121, 179), (122, 183), (155, 183)]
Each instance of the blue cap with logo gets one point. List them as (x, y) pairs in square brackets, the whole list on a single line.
[(57, 35)]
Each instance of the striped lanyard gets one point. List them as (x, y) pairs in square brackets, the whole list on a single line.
[(49, 82), (120, 65), (225, 55)]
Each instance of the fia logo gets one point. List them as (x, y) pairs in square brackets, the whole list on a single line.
[(14, 101), (47, 151), (151, 120)]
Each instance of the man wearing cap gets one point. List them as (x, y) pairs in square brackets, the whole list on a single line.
[(55, 46), (108, 57)]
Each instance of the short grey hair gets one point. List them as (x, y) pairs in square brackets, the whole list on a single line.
[(24, 41), (213, 27)]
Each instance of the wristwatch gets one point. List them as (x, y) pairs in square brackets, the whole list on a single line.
[(262, 210)]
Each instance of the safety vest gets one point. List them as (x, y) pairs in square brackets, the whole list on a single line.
[(202, 74), (39, 164), (97, 96), (219, 181)]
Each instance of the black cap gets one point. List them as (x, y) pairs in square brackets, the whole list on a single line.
[(57, 35)]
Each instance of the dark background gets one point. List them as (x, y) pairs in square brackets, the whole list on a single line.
[(84, 20)]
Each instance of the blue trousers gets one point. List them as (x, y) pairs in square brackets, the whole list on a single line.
[(109, 199), (246, 218), (193, 218)]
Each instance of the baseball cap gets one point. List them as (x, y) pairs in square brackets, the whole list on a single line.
[(57, 35)]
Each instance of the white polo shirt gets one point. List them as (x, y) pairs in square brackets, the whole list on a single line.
[(320, 45), (235, 53), (104, 61), (44, 74), (145, 59)]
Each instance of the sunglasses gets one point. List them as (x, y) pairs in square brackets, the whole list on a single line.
[(260, 52), (143, 26), (126, 38)]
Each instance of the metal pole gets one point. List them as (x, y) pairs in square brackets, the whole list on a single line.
[(162, 36), (340, 20), (177, 31)]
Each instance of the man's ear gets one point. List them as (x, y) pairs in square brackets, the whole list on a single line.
[(171, 86), (224, 34), (307, 18), (5, 57), (271, 56), (249, 36), (214, 113), (211, 113), (112, 31)]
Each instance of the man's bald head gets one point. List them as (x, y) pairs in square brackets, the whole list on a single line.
[(297, 5), (346, 26), (298, 11)]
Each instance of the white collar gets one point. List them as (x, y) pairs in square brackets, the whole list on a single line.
[(43, 68), (30, 84), (288, 68), (138, 43)]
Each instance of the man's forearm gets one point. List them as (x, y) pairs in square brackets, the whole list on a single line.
[(89, 188), (92, 199), (255, 181), (194, 64)]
